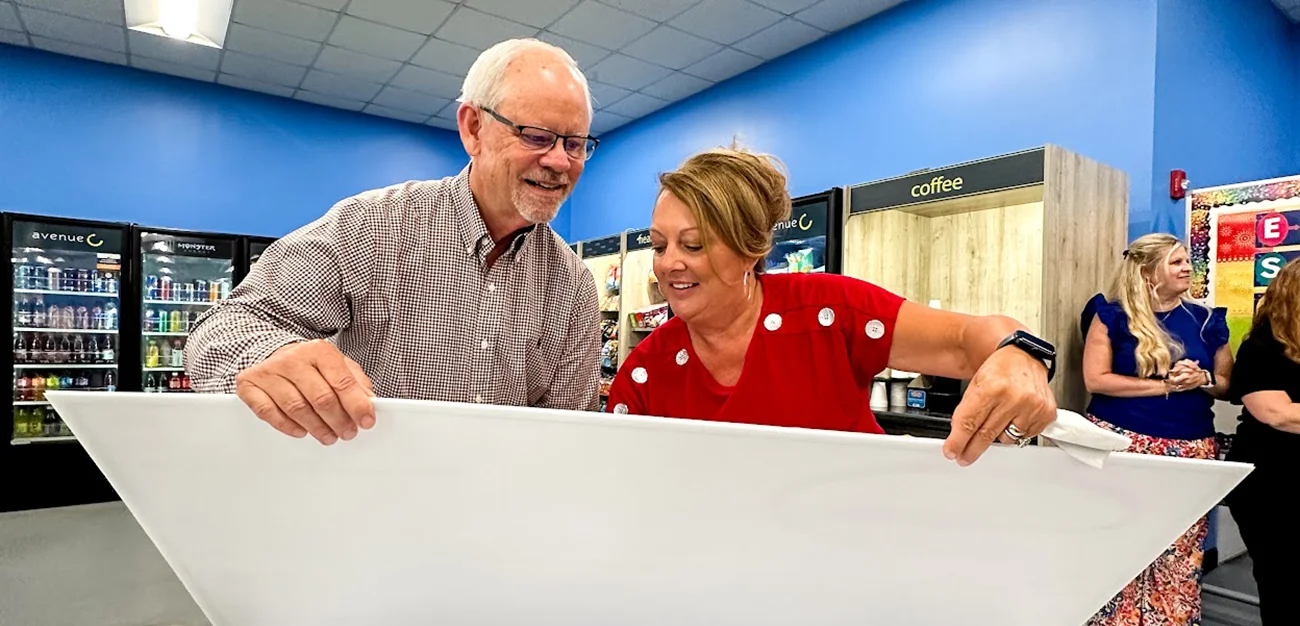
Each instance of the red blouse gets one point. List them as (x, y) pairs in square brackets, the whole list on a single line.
[(820, 341)]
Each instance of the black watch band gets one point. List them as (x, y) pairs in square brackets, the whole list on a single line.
[(1036, 348)]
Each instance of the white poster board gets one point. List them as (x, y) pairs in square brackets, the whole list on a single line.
[(480, 515)]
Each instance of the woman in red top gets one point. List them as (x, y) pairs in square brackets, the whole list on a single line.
[(802, 349)]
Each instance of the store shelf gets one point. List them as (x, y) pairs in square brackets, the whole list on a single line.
[(164, 369), (66, 366), (153, 333), (183, 302), (51, 292), (88, 331), (638, 329), (31, 403), (30, 440)]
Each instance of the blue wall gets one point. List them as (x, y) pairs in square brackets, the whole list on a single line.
[(89, 140), (929, 83), (1227, 97)]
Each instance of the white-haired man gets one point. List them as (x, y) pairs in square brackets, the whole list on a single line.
[(453, 289)]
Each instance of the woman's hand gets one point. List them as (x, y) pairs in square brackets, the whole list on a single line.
[(1009, 388)]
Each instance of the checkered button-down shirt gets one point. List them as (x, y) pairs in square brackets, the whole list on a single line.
[(398, 279)]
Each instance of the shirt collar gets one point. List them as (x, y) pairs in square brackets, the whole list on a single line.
[(475, 238)]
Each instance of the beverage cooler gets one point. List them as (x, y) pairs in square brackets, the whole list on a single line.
[(181, 275), (251, 249), (66, 282), (810, 241)]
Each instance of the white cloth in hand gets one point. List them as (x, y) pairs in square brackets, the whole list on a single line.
[(1087, 442)]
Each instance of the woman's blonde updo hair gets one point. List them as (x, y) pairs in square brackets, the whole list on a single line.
[(736, 196)]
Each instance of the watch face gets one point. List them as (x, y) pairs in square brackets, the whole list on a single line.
[(1037, 343)]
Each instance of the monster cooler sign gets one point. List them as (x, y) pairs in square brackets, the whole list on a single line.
[(1241, 236)]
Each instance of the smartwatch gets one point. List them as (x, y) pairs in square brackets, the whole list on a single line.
[(1036, 348), (1209, 374)]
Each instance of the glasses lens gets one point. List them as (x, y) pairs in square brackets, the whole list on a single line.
[(536, 139), (579, 147)]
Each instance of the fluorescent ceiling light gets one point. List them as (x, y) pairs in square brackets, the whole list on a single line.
[(201, 22)]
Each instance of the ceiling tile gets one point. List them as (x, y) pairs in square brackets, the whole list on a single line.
[(255, 85), (108, 11), (832, 15), (264, 43), (788, 7), (356, 65), (172, 51), (163, 67), (421, 16), (413, 101), (725, 21), (265, 70), (67, 28), (446, 57), (333, 5), (657, 10), (677, 86), (405, 116), (449, 112), (724, 65), (782, 37), (286, 17), (605, 95), (72, 49), (329, 101), (442, 123), (9, 18), (339, 86), (429, 81), (604, 121), (375, 39), (13, 37), (480, 30), (585, 54), (670, 47), (604, 26), (626, 72), (537, 13), (636, 105)]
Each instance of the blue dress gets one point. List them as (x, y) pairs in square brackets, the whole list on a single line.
[(1184, 414)]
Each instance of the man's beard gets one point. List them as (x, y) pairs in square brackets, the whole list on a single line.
[(533, 208)]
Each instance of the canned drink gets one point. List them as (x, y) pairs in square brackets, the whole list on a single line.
[(151, 287), (83, 280), (53, 279), (201, 292)]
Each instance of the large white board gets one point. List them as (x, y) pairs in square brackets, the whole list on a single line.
[(479, 515)]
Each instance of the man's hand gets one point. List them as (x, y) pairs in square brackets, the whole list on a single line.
[(309, 387), (1009, 388)]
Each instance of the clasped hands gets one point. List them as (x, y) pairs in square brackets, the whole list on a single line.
[(1186, 375)]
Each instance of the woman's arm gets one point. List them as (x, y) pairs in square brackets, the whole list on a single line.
[(1098, 377), (1274, 408), (1008, 386), (1222, 372)]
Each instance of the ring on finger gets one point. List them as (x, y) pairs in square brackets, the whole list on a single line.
[(1017, 435)]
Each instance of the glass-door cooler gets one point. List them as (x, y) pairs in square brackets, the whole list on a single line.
[(67, 304), (252, 248), (182, 275)]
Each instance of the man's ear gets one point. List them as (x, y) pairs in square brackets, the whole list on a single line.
[(470, 122)]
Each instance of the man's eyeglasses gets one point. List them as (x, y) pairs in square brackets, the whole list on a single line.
[(578, 147)]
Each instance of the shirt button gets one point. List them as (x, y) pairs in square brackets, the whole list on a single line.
[(486, 344), (492, 286), (479, 398)]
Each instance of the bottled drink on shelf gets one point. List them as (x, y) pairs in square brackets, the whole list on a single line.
[(97, 317), (53, 279), (22, 423), (22, 389), (185, 382), (23, 313), (51, 351), (110, 380), (178, 353), (151, 354), (108, 354), (50, 423), (165, 354), (150, 383), (82, 381), (90, 352), (83, 280), (110, 282), (78, 350), (174, 383), (38, 388), (20, 348), (110, 316), (68, 317), (83, 317), (66, 382), (174, 325), (65, 350)]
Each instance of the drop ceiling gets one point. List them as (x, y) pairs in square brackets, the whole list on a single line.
[(1290, 7), (405, 59)]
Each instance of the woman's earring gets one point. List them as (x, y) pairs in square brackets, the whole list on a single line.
[(748, 295)]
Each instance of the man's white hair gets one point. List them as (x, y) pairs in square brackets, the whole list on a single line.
[(485, 85)]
